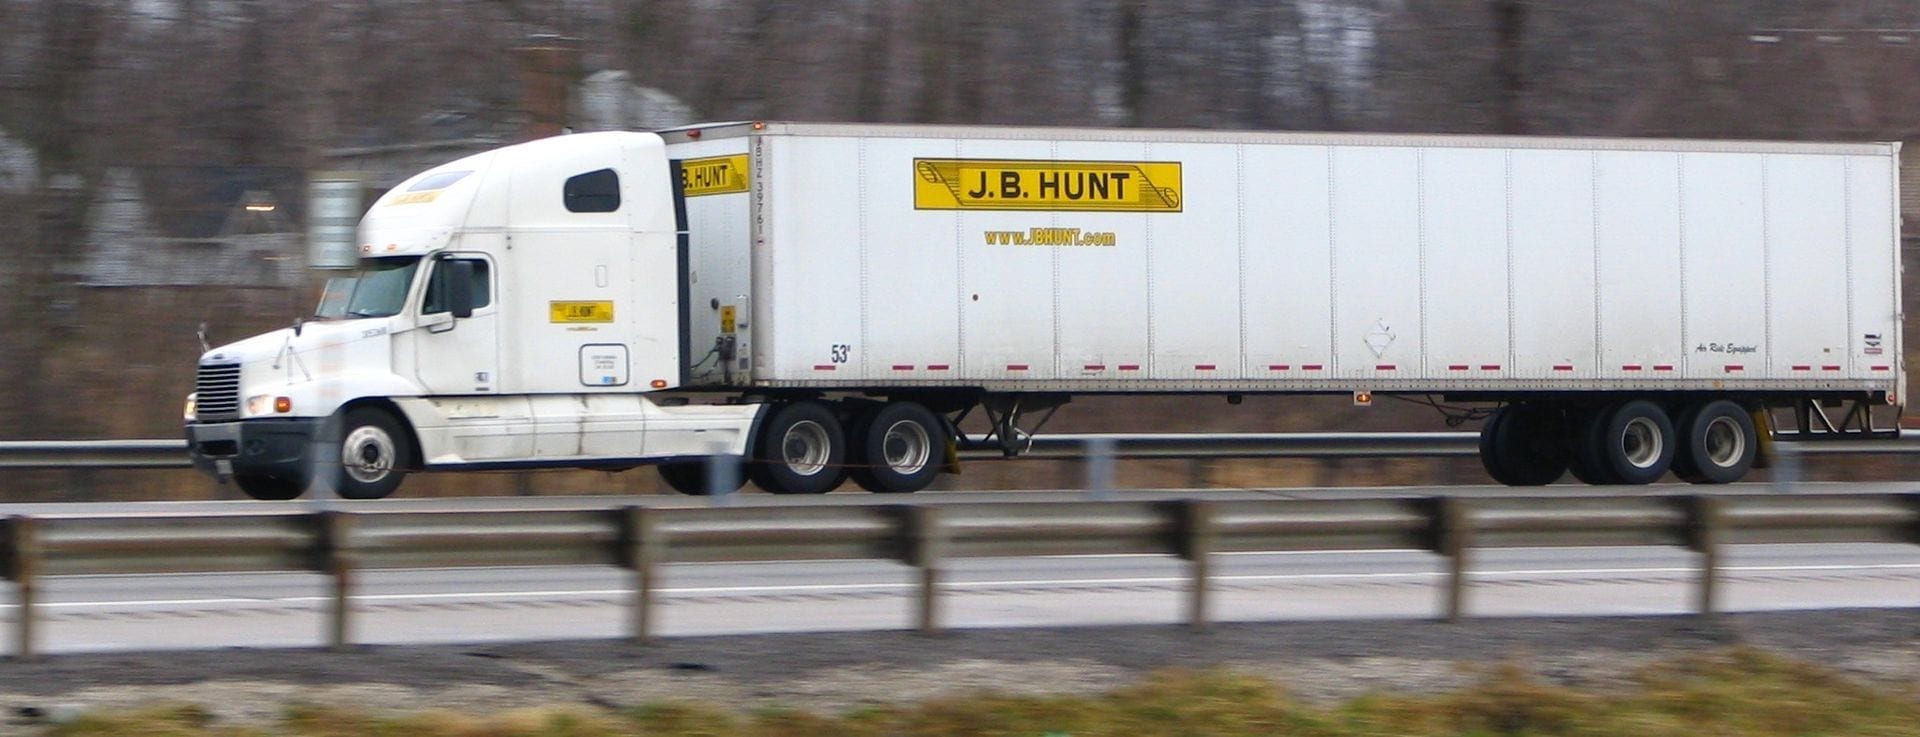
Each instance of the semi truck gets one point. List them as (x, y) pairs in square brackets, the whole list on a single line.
[(833, 301)]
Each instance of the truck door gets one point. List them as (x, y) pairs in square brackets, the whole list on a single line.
[(455, 354)]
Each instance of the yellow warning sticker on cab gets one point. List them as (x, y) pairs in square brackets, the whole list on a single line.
[(713, 175), (1079, 186), (588, 311), (415, 198)]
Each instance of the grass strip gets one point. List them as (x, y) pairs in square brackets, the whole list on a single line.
[(1727, 693)]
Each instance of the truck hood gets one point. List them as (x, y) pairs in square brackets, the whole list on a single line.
[(285, 347)]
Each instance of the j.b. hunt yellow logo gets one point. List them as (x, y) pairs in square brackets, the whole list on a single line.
[(1085, 186), (713, 175)]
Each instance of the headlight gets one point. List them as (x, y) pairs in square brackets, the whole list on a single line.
[(260, 404), (193, 407)]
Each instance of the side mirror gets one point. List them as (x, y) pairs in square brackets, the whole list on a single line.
[(457, 277)]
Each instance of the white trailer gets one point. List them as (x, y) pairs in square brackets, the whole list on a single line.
[(828, 300)]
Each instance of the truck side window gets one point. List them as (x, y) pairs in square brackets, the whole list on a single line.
[(436, 300), (594, 191)]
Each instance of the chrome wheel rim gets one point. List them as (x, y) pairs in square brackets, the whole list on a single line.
[(906, 447), (1724, 442), (368, 454), (805, 448), (1641, 443)]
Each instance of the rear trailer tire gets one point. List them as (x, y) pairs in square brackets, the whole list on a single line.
[(1583, 458), (374, 451), (801, 450), (270, 488), (1633, 442), (1491, 458), (690, 478), (897, 448), (1718, 443), (1529, 447)]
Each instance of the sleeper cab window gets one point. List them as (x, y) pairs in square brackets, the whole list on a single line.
[(594, 191)]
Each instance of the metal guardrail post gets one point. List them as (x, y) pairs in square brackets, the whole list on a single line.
[(643, 547), (722, 475), (1099, 460), (1199, 473), (1194, 527), (926, 548), (23, 552), (1454, 525), (336, 561), (1704, 520)]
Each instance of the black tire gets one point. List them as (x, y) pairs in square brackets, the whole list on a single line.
[(1582, 452), (1632, 442), (1528, 444), (897, 448), (373, 452), (1490, 456), (690, 477), (1718, 443), (801, 450), (270, 488)]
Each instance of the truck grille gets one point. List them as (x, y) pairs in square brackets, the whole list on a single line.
[(218, 390)]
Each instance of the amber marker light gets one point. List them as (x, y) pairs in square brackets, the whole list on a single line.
[(283, 405), (659, 383)]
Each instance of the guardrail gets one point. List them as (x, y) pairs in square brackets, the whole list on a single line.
[(172, 454), (340, 544), (94, 454)]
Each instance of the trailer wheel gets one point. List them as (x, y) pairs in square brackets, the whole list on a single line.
[(374, 449), (1490, 456), (801, 450), (1631, 442), (897, 448), (1583, 452), (1520, 446), (1717, 443), (690, 478), (270, 488)]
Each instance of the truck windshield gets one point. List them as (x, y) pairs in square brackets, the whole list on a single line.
[(377, 288)]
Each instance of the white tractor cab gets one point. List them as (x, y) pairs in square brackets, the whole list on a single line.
[(513, 309)]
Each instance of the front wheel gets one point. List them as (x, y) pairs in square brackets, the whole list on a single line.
[(374, 449)]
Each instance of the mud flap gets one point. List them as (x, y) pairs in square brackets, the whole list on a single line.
[(1764, 454), (951, 463)]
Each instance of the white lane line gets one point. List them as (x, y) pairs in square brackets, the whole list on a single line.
[(1008, 583)]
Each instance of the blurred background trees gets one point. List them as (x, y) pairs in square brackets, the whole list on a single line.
[(140, 125)]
